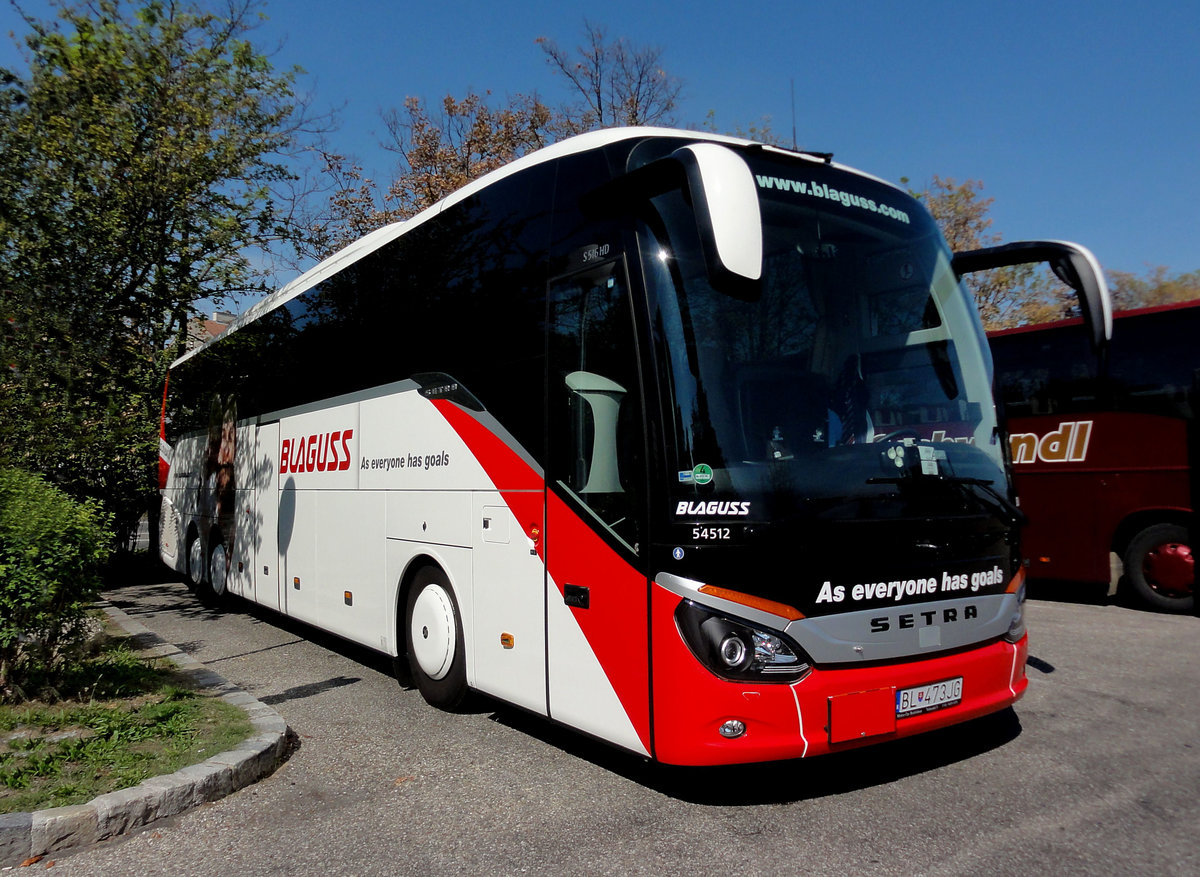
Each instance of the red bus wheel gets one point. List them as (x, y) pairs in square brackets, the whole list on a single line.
[(1159, 566)]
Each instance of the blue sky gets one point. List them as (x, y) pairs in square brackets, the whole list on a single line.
[(1082, 119)]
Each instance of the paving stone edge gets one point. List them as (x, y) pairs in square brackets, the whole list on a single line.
[(27, 835)]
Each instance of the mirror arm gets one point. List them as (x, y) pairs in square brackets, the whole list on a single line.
[(1073, 264)]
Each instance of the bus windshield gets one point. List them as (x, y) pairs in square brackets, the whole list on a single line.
[(856, 363)]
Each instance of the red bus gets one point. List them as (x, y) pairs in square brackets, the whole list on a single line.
[(1100, 448), (682, 441)]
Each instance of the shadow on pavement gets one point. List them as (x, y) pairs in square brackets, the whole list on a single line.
[(753, 784), (788, 781)]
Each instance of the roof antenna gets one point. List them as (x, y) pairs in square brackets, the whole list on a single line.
[(794, 147)]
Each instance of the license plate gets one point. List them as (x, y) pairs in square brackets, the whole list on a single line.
[(927, 698)]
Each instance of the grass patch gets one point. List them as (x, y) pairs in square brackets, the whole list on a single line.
[(120, 719)]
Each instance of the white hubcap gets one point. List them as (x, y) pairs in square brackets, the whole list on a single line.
[(432, 635)]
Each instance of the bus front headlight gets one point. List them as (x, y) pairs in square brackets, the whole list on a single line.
[(735, 649)]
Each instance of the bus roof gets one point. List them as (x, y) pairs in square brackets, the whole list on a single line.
[(1078, 321), (380, 237)]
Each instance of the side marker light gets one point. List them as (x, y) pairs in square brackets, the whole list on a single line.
[(780, 609)]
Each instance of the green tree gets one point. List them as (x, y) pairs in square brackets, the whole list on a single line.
[(51, 549), (137, 159)]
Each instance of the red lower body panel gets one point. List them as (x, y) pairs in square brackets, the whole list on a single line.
[(828, 711)]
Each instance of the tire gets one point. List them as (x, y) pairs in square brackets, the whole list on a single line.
[(434, 640), (218, 569), (1160, 568), (194, 561), (401, 670)]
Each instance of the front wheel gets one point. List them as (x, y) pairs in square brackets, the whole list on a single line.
[(434, 640), (1159, 566)]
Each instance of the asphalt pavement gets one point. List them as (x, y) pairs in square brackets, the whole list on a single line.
[(1096, 771)]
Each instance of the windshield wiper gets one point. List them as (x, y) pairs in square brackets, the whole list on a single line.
[(1010, 511)]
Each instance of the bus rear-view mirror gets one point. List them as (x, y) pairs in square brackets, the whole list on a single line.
[(728, 220), (1073, 264), (724, 199)]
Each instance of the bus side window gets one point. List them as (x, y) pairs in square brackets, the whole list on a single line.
[(594, 405)]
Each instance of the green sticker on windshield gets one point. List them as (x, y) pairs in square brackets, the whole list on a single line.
[(702, 473)]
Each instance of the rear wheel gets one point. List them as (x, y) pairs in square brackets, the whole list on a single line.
[(1160, 568), (434, 640), (195, 561), (218, 569)]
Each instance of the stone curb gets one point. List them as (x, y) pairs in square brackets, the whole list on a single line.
[(26, 835)]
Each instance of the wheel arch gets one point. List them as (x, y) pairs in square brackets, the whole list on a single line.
[(1140, 520), (193, 533)]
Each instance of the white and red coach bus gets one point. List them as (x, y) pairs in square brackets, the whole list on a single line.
[(682, 441)]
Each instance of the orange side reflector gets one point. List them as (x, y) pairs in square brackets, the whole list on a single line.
[(781, 609), (507, 640), (1017, 581)]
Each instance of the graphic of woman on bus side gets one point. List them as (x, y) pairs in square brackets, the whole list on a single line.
[(217, 490)]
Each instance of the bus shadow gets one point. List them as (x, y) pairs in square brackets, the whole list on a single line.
[(1084, 593), (736, 785), (145, 599), (1060, 591), (142, 601), (783, 782), (353, 651)]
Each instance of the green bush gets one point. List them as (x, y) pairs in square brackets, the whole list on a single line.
[(51, 549)]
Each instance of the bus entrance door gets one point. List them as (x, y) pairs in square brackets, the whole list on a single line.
[(596, 592)]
